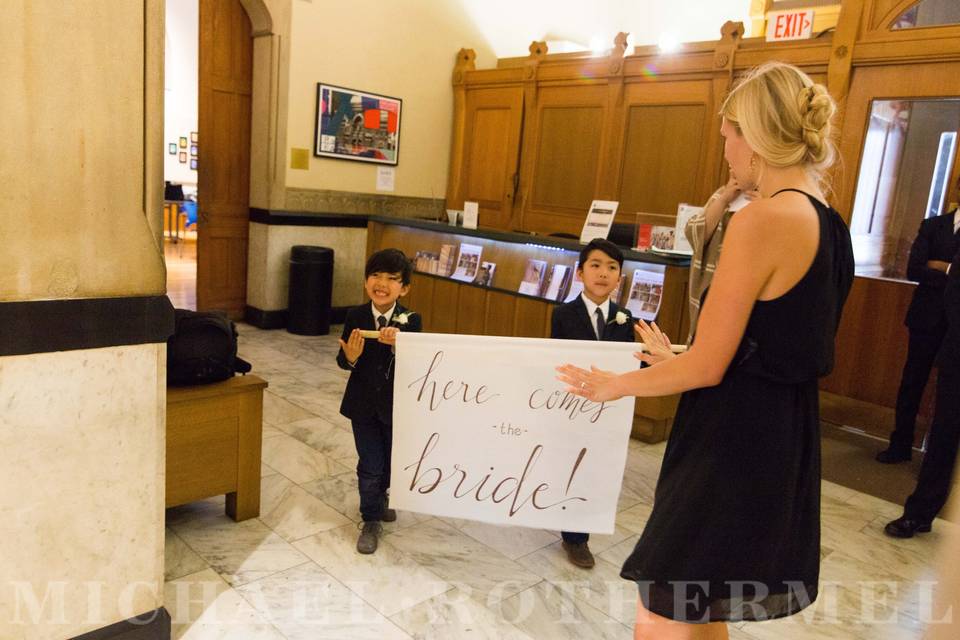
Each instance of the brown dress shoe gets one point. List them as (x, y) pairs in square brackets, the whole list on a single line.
[(367, 542), (389, 515), (579, 555)]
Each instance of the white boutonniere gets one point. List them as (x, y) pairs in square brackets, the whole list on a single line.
[(403, 318), (621, 317)]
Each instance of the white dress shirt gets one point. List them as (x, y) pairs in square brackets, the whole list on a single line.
[(592, 311)]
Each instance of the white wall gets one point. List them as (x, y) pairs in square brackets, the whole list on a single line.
[(180, 85), (406, 50), (509, 26)]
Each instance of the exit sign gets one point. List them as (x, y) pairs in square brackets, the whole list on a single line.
[(789, 25)]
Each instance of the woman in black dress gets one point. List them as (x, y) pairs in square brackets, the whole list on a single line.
[(735, 529)]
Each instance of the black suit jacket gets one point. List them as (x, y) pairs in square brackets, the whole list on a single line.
[(571, 321), (369, 391), (949, 357), (935, 241)]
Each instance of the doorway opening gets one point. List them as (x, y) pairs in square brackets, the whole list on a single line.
[(181, 137)]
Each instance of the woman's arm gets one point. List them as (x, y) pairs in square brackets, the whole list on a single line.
[(747, 262)]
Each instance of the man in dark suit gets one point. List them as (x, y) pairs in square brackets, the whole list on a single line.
[(936, 473), (592, 316), (368, 398), (931, 253)]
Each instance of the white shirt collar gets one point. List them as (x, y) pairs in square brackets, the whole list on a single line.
[(592, 307), (388, 315), (956, 220)]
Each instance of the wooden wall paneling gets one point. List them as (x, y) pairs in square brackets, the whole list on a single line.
[(470, 311), (498, 314), (420, 296), (563, 157), (491, 151), (528, 318), (466, 61), (871, 349), (608, 173), (445, 305)]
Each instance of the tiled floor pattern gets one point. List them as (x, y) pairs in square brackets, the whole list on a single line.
[(293, 572)]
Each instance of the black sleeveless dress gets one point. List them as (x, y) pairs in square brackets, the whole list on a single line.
[(735, 528)]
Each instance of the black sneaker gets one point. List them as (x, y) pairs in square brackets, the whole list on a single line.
[(893, 456), (367, 542)]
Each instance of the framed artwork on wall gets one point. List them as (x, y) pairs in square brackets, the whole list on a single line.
[(183, 142), (194, 136), (193, 163), (172, 148), (183, 157), (193, 150), (356, 125)]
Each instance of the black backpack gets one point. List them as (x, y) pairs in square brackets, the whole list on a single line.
[(203, 349)]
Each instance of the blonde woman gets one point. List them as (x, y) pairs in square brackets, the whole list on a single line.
[(735, 529)]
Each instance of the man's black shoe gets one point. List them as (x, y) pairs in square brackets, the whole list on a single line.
[(893, 456), (904, 527)]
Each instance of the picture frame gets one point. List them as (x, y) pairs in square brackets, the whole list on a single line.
[(193, 150), (183, 157), (183, 142), (194, 136), (193, 163), (357, 125), (172, 148)]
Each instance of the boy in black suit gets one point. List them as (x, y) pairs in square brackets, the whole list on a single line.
[(368, 398), (936, 244), (592, 316)]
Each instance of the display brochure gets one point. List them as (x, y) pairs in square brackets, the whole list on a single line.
[(576, 283), (485, 274), (646, 291), (599, 220), (471, 212), (557, 283), (468, 263), (533, 277)]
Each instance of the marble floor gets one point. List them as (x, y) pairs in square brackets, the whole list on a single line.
[(293, 572)]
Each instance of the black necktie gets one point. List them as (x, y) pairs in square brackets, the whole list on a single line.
[(599, 315), (381, 322)]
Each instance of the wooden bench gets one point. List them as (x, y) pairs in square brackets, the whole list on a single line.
[(214, 436)]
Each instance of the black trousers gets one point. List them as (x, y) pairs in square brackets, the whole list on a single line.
[(921, 354), (936, 472), (575, 538), (374, 440)]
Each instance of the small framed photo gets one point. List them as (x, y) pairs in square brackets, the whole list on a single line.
[(193, 150), (172, 148), (183, 157), (194, 136), (193, 163), (183, 142)]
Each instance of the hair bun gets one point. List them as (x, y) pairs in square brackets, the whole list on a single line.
[(816, 109)]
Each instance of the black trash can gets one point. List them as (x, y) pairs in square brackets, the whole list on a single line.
[(311, 290)]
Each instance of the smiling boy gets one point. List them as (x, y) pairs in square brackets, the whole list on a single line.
[(592, 316), (368, 398)]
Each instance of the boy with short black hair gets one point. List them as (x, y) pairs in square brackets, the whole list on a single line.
[(592, 316), (368, 398)]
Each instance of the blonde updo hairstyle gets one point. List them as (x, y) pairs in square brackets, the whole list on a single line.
[(784, 116)]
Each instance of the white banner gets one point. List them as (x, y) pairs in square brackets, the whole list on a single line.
[(483, 430)]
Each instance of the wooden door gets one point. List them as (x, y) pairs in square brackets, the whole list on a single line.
[(223, 176), (492, 153)]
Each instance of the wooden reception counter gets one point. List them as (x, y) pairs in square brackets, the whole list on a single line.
[(450, 305)]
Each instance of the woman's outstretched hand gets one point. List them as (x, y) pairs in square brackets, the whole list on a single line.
[(656, 342), (596, 384)]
